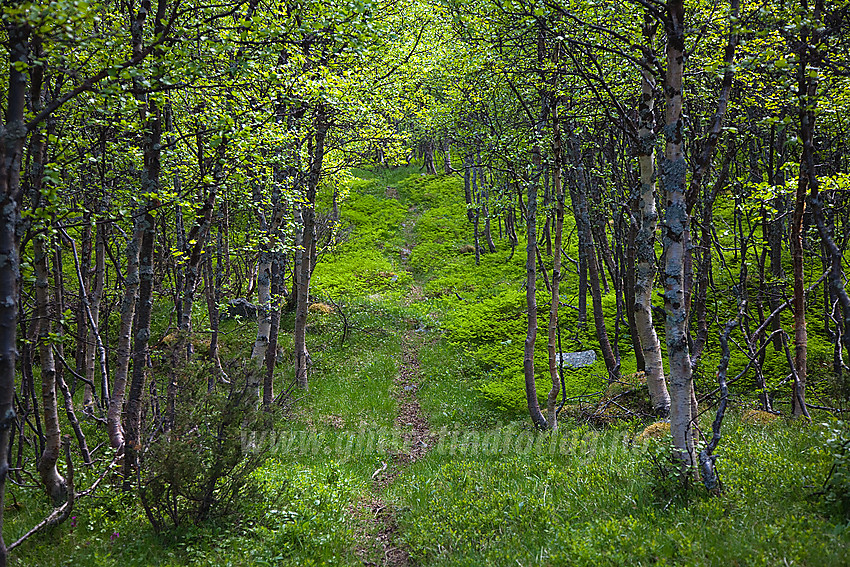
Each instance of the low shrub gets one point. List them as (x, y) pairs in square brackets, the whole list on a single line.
[(197, 469)]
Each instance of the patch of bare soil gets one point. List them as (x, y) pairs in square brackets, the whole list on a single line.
[(378, 533)]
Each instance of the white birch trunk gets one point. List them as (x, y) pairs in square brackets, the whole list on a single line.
[(645, 245), (676, 221), (127, 312)]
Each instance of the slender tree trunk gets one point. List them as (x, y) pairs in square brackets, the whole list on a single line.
[(531, 308), (85, 334), (12, 137), (264, 282), (552, 399), (476, 215), (798, 399), (101, 235), (485, 210), (808, 89), (467, 187), (305, 271), (645, 242), (127, 313), (629, 284), (58, 293), (673, 169), (150, 185), (775, 234), (704, 161), (700, 306), (144, 305), (53, 481), (198, 240), (213, 293), (531, 260), (586, 250), (271, 352)]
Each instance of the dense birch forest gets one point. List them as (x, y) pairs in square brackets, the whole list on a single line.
[(424, 282)]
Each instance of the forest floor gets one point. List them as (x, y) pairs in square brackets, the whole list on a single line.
[(411, 446)]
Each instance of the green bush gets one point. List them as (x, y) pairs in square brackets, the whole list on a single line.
[(837, 486), (198, 470)]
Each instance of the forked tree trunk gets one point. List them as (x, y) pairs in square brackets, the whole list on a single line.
[(428, 157), (447, 157), (264, 286)]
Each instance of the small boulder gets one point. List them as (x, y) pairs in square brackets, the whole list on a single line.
[(241, 307), (576, 359)]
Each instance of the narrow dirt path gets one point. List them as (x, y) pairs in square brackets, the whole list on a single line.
[(380, 541)]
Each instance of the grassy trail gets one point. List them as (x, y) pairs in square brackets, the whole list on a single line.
[(379, 541)]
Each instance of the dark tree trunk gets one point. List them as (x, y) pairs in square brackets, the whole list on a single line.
[(271, 352), (305, 270), (578, 196)]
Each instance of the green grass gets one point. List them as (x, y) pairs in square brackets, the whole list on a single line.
[(580, 497), (604, 502)]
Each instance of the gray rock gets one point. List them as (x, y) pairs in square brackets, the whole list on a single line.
[(241, 307), (576, 359)]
